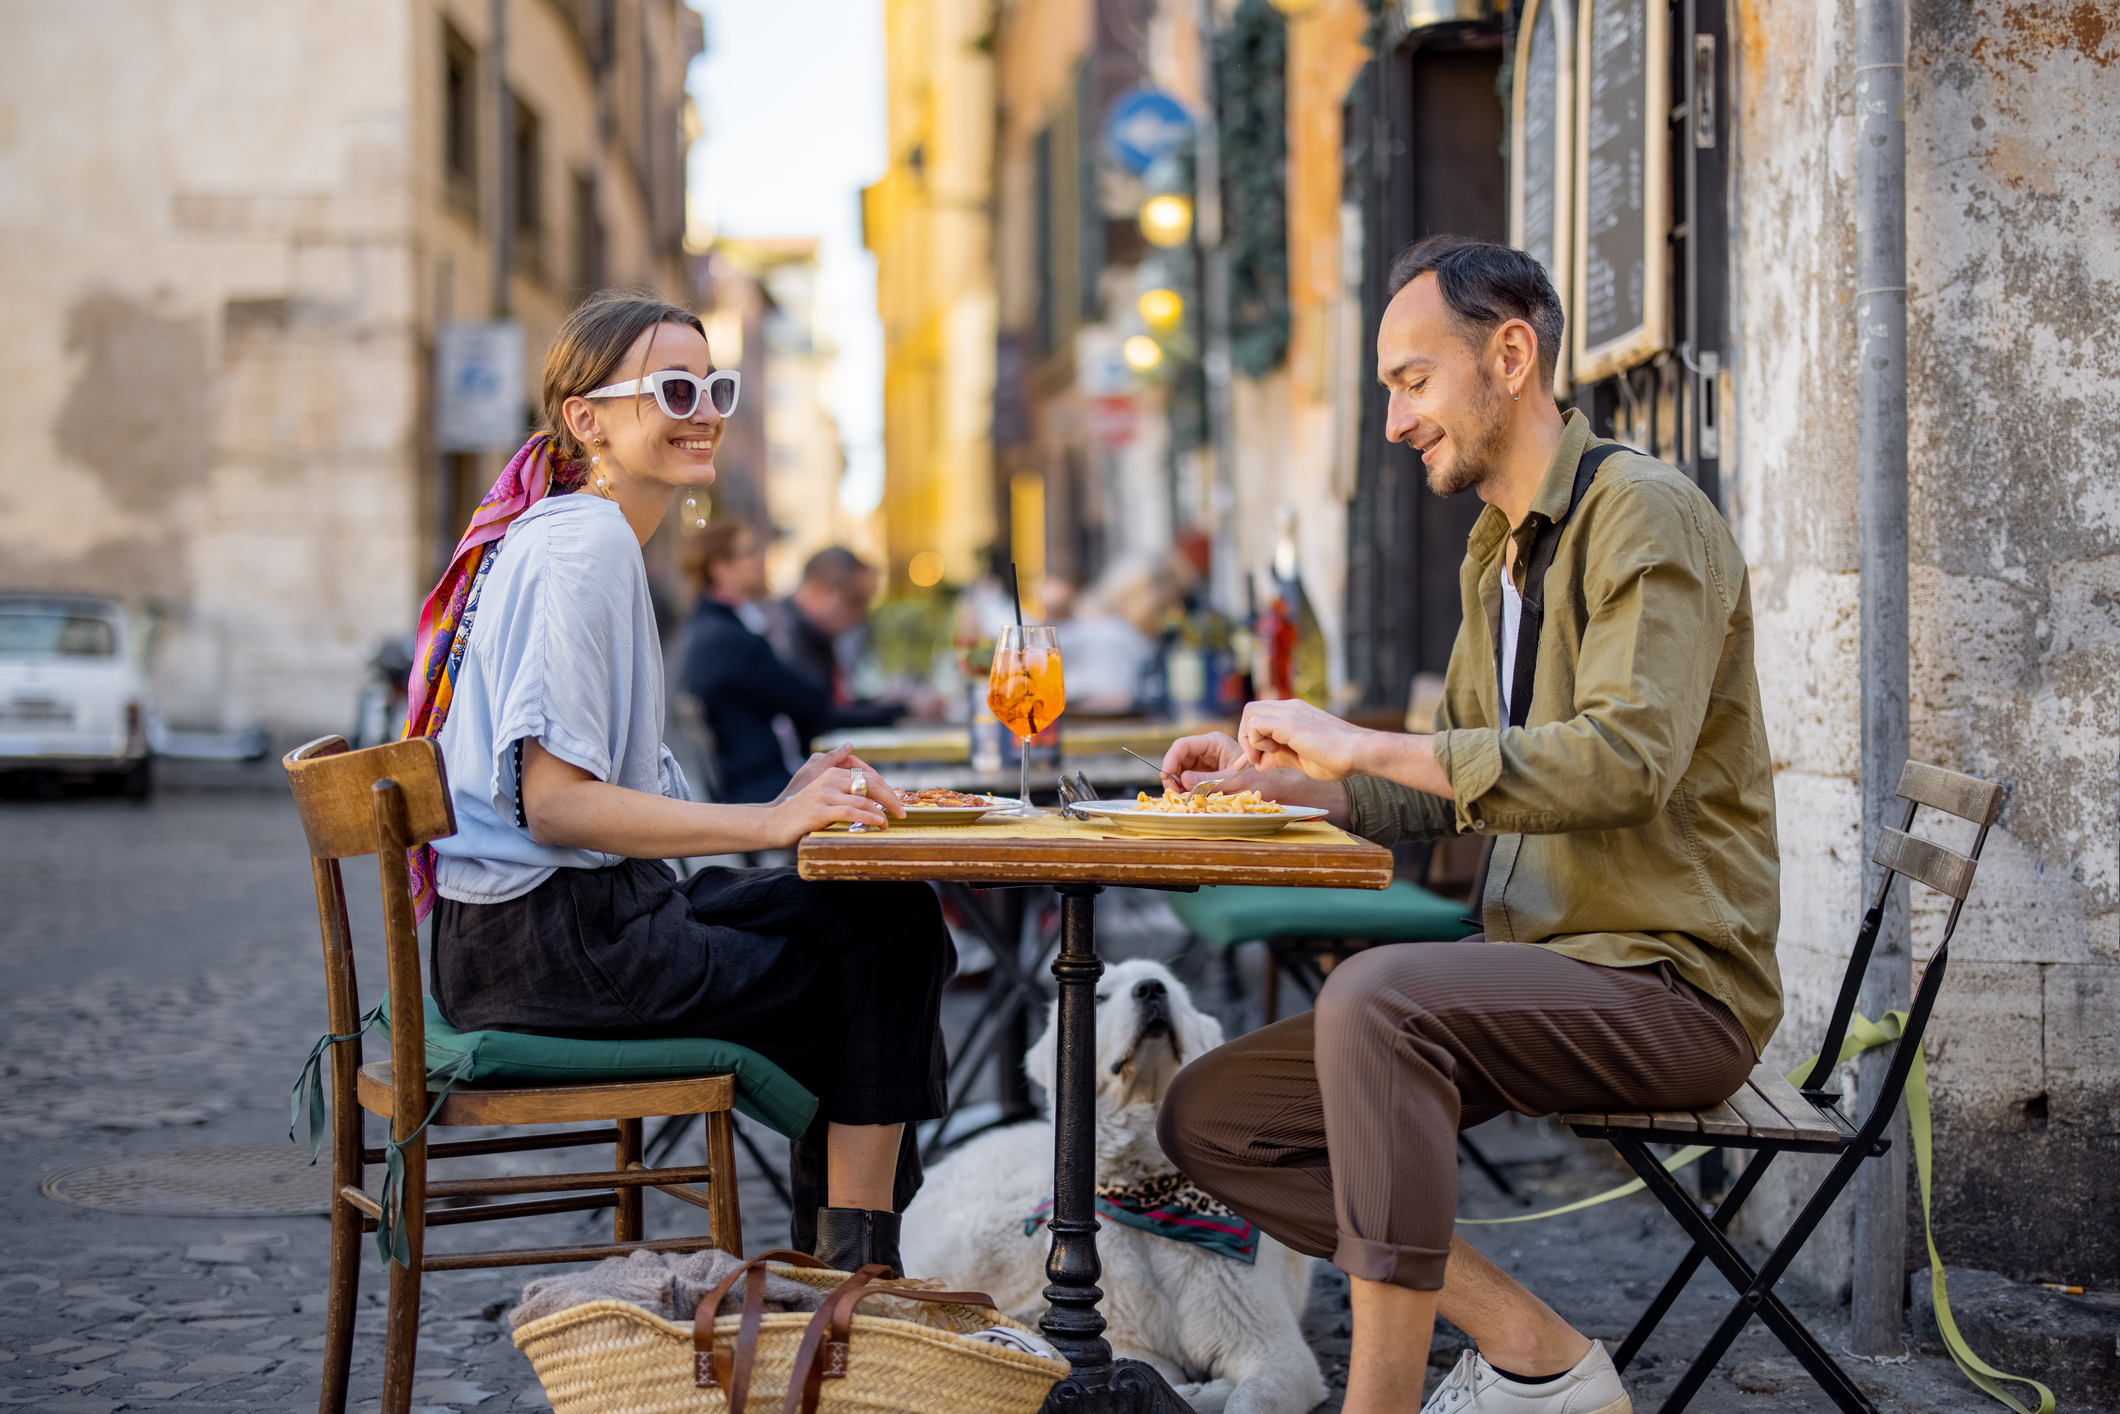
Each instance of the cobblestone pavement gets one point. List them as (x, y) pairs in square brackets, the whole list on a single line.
[(159, 985)]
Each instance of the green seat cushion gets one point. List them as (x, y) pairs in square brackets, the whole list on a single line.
[(764, 1091), (1234, 913)]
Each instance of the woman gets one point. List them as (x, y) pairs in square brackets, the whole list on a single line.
[(540, 673)]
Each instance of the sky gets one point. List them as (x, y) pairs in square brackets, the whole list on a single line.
[(792, 101)]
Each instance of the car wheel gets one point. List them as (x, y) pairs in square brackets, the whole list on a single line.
[(139, 782)]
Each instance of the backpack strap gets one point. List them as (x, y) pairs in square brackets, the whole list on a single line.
[(1543, 547), (1529, 625)]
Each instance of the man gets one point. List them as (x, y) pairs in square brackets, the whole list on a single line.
[(1632, 896), (762, 712), (831, 601)]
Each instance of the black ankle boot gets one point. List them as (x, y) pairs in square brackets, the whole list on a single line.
[(849, 1239)]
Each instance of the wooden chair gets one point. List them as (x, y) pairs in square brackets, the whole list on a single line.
[(382, 801), (1769, 1116)]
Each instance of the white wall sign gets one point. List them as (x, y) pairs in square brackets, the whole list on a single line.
[(478, 386)]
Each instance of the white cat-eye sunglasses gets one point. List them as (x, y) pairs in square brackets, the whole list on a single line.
[(678, 393)]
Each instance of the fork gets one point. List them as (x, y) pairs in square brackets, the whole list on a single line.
[(1200, 791)]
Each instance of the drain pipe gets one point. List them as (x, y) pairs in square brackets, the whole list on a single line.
[(1881, 451), (1226, 588)]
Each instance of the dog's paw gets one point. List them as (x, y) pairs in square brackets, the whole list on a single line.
[(1205, 1396)]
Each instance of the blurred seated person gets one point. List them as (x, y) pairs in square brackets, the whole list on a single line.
[(1107, 635), (760, 710), (814, 629)]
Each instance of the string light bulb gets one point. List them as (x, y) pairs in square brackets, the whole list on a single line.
[(1160, 309), (1166, 220), (1141, 353)]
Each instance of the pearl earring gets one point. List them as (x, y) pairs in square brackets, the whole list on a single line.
[(598, 461)]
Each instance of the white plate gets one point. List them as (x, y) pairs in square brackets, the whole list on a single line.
[(1128, 816), (954, 814)]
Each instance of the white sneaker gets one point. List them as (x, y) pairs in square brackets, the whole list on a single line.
[(1475, 1387)]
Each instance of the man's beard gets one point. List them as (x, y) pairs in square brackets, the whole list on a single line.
[(1479, 453)]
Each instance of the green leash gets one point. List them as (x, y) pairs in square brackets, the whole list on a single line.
[(1863, 1035)]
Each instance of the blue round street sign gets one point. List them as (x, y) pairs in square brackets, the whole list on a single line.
[(1143, 125)]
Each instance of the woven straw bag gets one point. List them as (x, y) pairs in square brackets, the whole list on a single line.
[(611, 1357)]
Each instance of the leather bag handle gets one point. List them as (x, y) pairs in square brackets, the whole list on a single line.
[(834, 1323), (713, 1368)]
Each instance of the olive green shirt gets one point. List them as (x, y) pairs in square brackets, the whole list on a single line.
[(1633, 813)]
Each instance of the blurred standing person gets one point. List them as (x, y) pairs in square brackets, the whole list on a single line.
[(759, 709)]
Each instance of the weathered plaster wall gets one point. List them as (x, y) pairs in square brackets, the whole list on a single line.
[(2014, 274), (208, 382), (1794, 505), (2013, 203)]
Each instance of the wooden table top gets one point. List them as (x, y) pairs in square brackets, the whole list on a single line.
[(1050, 850), (1079, 737)]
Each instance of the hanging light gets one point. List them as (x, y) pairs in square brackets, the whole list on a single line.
[(925, 569), (1166, 220), (1141, 353), (1161, 309)]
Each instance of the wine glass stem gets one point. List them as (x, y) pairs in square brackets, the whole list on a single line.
[(1023, 777)]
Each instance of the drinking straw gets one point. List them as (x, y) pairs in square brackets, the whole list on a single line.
[(1015, 593)]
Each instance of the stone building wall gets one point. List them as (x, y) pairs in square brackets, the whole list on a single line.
[(209, 379), (2013, 274), (224, 245)]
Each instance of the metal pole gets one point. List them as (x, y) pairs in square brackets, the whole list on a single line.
[(1227, 585), (1098, 1384), (1881, 441), (1072, 1322), (503, 159)]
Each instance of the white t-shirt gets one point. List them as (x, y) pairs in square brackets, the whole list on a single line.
[(564, 650), (1512, 621)]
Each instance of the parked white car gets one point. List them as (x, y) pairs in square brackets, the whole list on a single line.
[(72, 698)]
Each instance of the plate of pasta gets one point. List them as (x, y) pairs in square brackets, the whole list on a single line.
[(948, 807), (1218, 816)]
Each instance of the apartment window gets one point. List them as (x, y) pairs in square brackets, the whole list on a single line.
[(459, 118), (588, 238), (528, 190)]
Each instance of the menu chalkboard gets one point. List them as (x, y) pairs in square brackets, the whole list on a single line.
[(1622, 186), (1542, 151)]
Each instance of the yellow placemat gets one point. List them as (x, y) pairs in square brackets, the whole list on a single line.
[(1052, 827)]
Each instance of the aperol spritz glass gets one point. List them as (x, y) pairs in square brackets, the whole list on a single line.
[(1026, 692)]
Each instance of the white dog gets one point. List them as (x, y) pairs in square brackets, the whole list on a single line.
[(1227, 1334)]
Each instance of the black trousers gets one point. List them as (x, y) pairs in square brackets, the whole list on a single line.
[(838, 984)]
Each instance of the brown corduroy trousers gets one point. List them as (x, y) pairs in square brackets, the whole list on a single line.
[(1336, 1130)]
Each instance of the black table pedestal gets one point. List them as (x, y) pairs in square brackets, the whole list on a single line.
[(1073, 1324)]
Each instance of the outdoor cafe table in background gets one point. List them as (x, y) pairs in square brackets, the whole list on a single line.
[(1079, 859), (924, 755)]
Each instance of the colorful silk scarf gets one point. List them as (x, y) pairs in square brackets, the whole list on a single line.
[(445, 621), (1169, 1206)]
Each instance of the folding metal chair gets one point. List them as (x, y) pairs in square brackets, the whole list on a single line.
[(1769, 1116)]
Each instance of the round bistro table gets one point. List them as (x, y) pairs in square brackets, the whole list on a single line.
[(1079, 860)]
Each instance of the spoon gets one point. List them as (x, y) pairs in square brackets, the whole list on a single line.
[(1200, 791)]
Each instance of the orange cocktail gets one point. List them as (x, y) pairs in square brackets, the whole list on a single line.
[(1026, 690)]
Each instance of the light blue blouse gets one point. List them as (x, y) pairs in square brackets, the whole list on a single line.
[(563, 648)]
